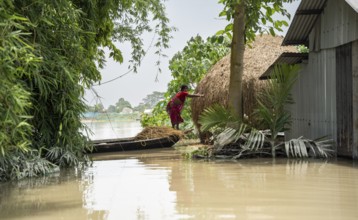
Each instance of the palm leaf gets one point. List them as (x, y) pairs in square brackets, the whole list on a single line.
[(323, 146), (255, 140), (215, 116), (302, 147), (228, 136)]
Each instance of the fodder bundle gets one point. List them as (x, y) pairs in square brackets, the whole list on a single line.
[(158, 132)]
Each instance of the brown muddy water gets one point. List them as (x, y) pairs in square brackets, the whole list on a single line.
[(160, 184)]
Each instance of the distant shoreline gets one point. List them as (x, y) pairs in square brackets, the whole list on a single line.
[(86, 120), (107, 117)]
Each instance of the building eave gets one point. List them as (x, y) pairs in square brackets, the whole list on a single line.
[(302, 23), (285, 58)]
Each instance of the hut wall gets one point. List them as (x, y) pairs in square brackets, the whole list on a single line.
[(314, 111)]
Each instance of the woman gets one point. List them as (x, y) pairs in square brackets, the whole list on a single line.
[(176, 104)]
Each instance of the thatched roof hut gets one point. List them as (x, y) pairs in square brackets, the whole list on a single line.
[(215, 85)]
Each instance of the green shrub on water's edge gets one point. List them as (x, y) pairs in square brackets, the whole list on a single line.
[(50, 52)]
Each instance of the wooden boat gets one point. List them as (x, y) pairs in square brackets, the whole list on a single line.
[(128, 144)]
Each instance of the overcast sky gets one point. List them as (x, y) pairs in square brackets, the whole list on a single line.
[(191, 18)]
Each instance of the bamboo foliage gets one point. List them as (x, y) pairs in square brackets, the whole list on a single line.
[(16, 58), (17, 62), (56, 91), (50, 52)]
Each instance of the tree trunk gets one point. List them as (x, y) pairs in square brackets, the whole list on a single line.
[(237, 59)]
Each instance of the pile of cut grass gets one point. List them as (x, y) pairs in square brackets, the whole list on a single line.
[(158, 132)]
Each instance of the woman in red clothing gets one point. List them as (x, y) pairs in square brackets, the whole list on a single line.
[(176, 104)]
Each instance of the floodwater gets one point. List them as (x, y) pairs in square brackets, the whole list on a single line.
[(113, 129), (160, 184)]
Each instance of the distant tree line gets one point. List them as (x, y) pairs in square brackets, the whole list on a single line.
[(147, 103)]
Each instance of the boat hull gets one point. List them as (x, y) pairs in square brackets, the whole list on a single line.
[(130, 144)]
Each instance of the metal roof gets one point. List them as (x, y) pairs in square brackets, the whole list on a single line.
[(302, 23), (353, 4), (285, 58)]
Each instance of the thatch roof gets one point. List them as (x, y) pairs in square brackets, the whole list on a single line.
[(263, 52)]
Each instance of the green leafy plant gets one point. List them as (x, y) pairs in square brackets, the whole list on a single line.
[(50, 52), (228, 128), (187, 67), (17, 59), (302, 49), (272, 101), (18, 164)]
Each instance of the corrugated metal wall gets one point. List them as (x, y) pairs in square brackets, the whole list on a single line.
[(355, 97), (339, 24), (314, 111)]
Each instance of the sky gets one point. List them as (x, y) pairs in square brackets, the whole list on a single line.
[(191, 18)]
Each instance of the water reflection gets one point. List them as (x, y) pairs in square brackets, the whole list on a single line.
[(129, 190), (113, 129), (53, 197), (260, 189), (158, 184)]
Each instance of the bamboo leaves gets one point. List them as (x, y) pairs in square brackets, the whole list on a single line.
[(16, 58), (50, 51)]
